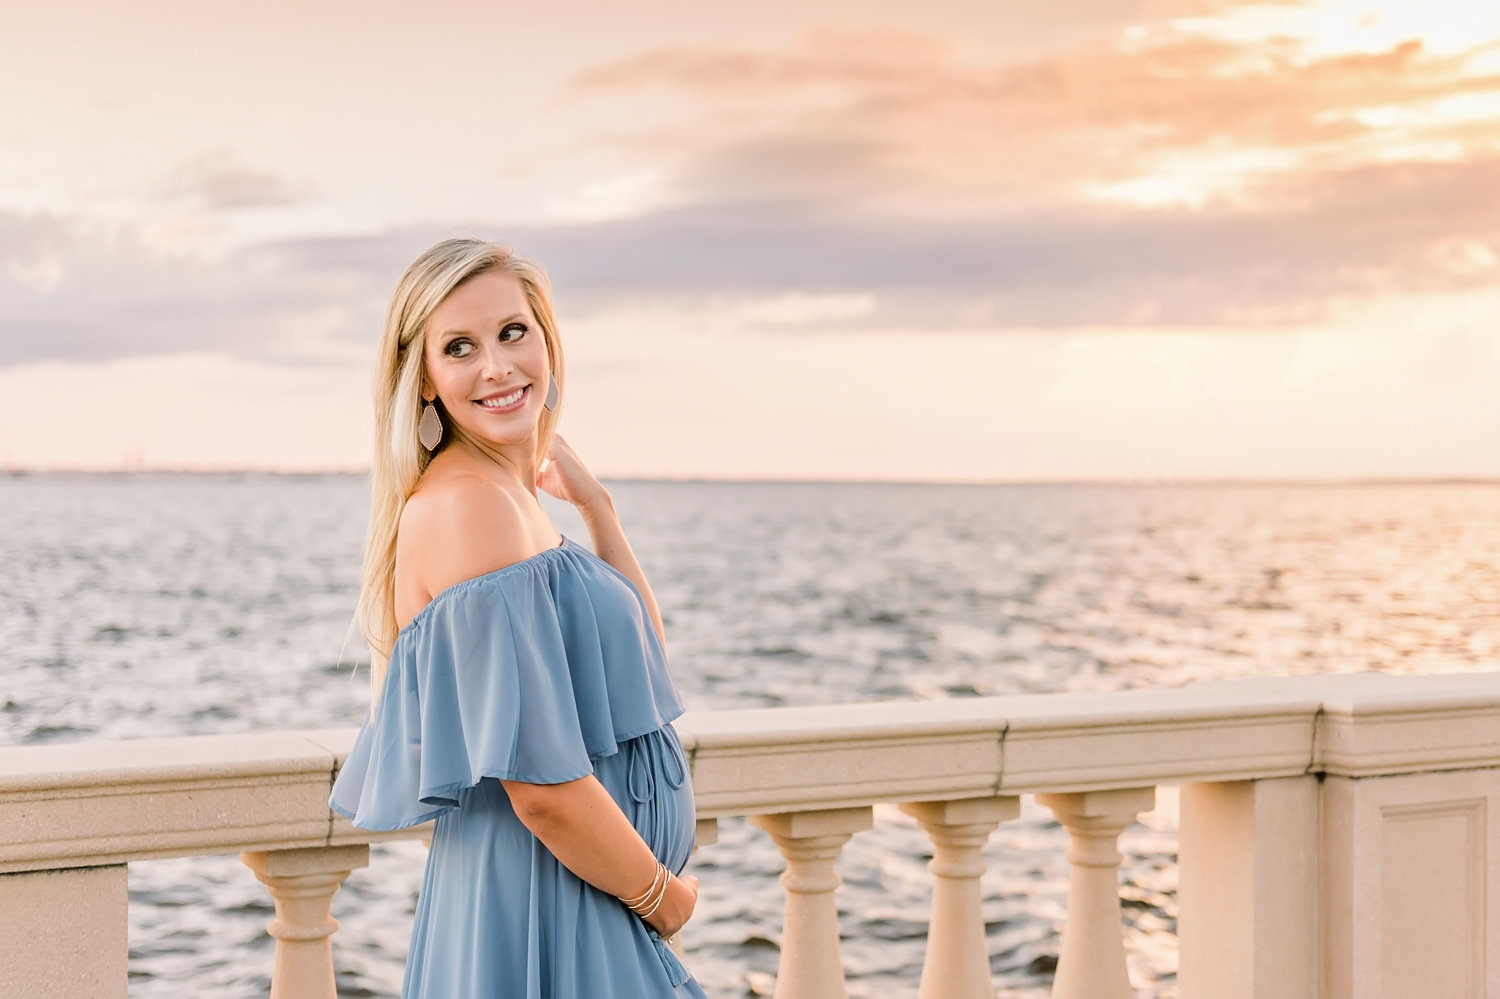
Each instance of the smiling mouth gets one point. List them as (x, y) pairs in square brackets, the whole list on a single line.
[(507, 401)]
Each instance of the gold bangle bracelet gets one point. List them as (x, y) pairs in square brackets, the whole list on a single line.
[(657, 905), (649, 906), (655, 897), (656, 876)]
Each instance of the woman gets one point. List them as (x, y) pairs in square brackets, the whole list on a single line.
[(520, 693)]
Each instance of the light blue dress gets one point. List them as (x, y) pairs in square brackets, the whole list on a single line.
[(544, 671)]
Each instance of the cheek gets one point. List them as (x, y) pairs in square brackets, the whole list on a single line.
[(447, 380)]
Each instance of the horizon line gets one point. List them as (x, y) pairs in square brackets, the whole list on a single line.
[(1162, 480)]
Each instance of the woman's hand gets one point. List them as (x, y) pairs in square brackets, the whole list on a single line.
[(563, 475), (676, 908)]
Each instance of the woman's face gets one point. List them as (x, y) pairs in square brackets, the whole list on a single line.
[(483, 347)]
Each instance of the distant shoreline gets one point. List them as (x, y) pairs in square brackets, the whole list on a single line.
[(256, 473)]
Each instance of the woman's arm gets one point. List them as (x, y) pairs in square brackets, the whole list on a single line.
[(566, 478), (579, 821), (609, 544), (586, 831)]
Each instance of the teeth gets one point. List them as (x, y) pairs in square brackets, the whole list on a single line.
[(504, 400)]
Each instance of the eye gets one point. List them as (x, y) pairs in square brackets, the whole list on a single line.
[(458, 348), (518, 328)]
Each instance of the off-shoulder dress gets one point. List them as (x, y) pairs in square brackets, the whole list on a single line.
[(544, 671)]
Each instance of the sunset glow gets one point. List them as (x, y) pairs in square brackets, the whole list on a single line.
[(1180, 238)]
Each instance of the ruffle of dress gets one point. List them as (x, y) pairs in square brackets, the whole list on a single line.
[(527, 673)]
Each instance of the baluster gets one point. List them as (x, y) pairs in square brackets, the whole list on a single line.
[(957, 965), (1092, 962), (302, 883), (811, 966)]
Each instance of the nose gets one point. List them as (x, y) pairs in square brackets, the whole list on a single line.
[(496, 363)]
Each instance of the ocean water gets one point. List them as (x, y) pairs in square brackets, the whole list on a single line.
[(149, 605)]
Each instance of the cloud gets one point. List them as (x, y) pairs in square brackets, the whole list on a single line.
[(1372, 230), (863, 179), (71, 289), (67, 289), (902, 109), (1172, 173), (217, 181)]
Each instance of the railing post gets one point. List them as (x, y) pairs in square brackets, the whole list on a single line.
[(63, 933), (957, 965), (302, 883), (1092, 962), (811, 966), (1247, 895)]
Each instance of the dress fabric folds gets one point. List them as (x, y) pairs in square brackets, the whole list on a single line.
[(544, 671)]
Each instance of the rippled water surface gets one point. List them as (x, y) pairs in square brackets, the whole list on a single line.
[(136, 606)]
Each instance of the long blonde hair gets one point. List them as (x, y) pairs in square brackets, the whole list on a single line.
[(399, 458)]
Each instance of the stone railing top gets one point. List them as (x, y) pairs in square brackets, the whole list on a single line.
[(94, 803), (146, 761)]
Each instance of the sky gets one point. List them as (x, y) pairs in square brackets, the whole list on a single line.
[(1044, 240)]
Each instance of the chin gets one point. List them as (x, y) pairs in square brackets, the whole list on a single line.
[(491, 435)]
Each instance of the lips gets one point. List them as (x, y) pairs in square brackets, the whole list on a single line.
[(515, 399)]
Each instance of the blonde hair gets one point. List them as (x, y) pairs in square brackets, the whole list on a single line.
[(399, 458)]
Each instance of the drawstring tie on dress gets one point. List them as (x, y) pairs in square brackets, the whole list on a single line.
[(650, 755)]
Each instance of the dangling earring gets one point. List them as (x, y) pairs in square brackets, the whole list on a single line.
[(430, 430), (551, 401)]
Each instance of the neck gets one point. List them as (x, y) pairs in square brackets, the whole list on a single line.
[(518, 460)]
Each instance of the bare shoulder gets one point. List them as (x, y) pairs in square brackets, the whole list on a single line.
[(456, 527)]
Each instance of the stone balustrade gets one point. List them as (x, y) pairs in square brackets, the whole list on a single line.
[(1337, 833)]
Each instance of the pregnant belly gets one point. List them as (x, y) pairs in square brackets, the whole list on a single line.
[(649, 780)]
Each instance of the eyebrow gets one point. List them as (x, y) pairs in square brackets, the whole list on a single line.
[(513, 317)]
